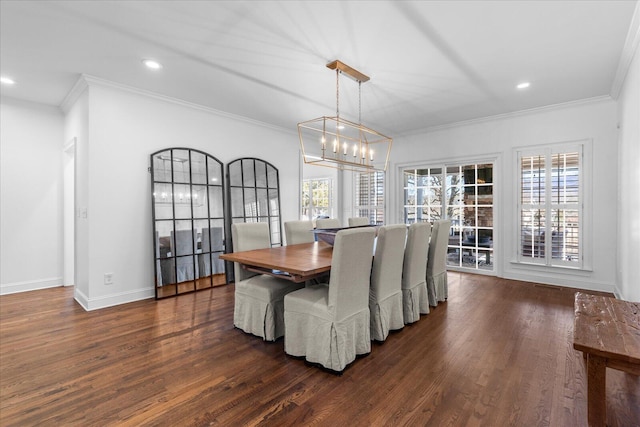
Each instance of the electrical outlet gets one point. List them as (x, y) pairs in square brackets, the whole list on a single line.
[(108, 278)]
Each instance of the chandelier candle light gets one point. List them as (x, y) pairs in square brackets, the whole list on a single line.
[(352, 146)]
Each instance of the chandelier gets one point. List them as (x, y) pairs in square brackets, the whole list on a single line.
[(342, 144)]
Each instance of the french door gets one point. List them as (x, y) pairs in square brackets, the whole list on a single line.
[(462, 193)]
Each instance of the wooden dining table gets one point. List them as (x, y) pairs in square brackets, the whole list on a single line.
[(297, 263)]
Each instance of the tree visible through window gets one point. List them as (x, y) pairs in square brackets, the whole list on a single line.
[(316, 199)]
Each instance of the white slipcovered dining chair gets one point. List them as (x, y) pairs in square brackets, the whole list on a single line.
[(437, 286), (328, 223), (415, 300), (358, 221), (259, 298), (329, 325), (297, 232), (385, 294)]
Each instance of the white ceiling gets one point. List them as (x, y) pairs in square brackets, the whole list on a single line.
[(431, 62)]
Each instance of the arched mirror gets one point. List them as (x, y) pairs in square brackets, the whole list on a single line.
[(254, 194), (188, 221)]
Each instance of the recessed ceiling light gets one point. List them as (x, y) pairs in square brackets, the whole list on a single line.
[(150, 63), (7, 80), (523, 85)]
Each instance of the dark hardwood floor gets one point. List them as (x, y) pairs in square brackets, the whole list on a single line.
[(498, 353)]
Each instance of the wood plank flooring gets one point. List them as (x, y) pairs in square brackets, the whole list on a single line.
[(498, 353)]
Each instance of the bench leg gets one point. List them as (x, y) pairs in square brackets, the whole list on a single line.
[(596, 393)]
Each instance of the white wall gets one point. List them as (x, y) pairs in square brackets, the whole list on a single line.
[(125, 127), (629, 183), (495, 138), (30, 196)]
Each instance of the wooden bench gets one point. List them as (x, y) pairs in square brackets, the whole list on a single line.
[(607, 331)]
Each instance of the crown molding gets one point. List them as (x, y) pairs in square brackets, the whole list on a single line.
[(628, 51), (513, 114), (86, 81), (78, 89)]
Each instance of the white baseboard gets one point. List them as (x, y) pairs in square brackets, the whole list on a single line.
[(569, 281), (105, 301), (30, 285)]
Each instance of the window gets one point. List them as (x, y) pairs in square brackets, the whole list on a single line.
[(462, 193), (316, 199), (369, 196), (550, 204)]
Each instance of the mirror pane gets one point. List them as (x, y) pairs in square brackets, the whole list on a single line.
[(185, 268), (248, 174), (263, 202), (261, 174), (198, 168), (272, 177), (162, 166), (235, 174), (237, 205), (204, 265), (217, 235), (199, 201), (182, 200), (166, 269), (201, 230), (183, 238), (250, 204), (274, 204), (215, 171), (164, 231), (215, 202), (181, 168), (162, 201)]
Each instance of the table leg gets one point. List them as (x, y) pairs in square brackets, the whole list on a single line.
[(596, 393)]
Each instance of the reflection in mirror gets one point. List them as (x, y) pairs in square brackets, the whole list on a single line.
[(188, 211), (254, 194)]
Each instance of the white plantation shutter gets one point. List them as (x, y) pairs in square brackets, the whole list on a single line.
[(550, 206)]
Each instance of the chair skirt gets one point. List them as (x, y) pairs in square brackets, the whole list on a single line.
[(386, 315), (440, 287), (259, 306), (311, 331), (415, 301)]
